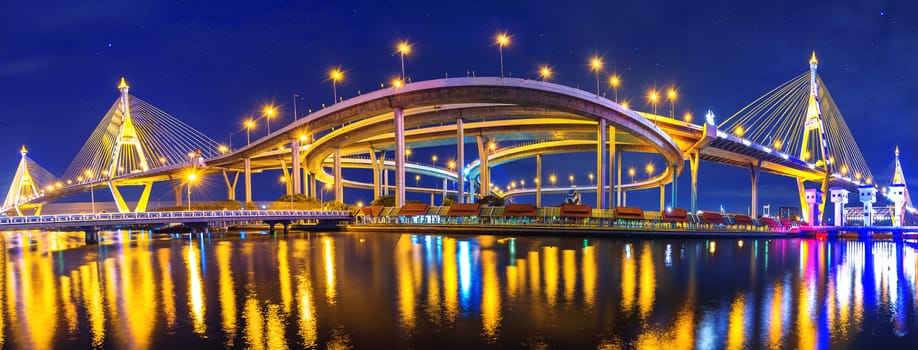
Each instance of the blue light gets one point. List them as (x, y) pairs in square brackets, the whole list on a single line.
[(465, 270)]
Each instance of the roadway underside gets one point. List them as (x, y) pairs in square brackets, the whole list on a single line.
[(565, 230)]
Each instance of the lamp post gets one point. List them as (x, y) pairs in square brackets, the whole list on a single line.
[(191, 177), (631, 173), (590, 175), (671, 94), (552, 178), (571, 178), (335, 75), (615, 81), (649, 169), (269, 113), (596, 66), (502, 40), (403, 49), (653, 96), (434, 159), (417, 181), (249, 125)]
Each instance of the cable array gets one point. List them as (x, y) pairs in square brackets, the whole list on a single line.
[(163, 139), (777, 120)]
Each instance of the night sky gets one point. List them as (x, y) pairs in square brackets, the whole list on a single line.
[(211, 64)]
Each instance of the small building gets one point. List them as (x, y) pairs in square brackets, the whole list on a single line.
[(788, 213)]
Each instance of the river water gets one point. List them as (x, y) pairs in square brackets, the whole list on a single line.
[(341, 290)]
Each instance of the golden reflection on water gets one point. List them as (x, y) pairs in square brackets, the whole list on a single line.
[(38, 299), (629, 278), (283, 269), (137, 295), (404, 275), (306, 302), (450, 279), (196, 306), (736, 336), (550, 259), (534, 274), (569, 266), (589, 276), (648, 280), (93, 302), (328, 255), (167, 286), (254, 321), (227, 292), (490, 295)]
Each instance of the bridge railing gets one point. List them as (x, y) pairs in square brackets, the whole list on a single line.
[(210, 214)]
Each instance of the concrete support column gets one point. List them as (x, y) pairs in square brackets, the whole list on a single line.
[(177, 191), (399, 118), (620, 202), (445, 184), (693, 165), (614, 174), (385, 175), (248, 180), (674, 201), (230, 186), (538, 180), (754, 170), (484, 189), (295, 153), (313, 186), (375, 164), (460, 160), (601, 164), (804, 208), (338, 184), (662, 197)]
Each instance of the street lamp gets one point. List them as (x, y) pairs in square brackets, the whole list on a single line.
[(545, 73), (502, 40), (191, 177), (625, 105), (221, 148), (615, 81), (249, 125), (631, 173), (269, 113), (552, 178), (590, 175), (451, 164), (417, 181), (92, 190), (434, 159), (653, 96), (403, 49), (571, 178), (649, 169), (687, 117), (335, 75), (671, 94), (596, 66), (327, 187)]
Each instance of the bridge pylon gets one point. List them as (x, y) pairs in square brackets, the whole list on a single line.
[(25, 187), (128, 148), (818, 152)]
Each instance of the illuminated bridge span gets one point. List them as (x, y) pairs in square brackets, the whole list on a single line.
[(795, 130)]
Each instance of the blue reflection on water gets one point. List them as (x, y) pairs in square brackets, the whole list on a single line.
[(465, 273)]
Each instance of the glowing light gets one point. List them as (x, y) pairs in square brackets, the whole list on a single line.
[(649, 169), (595, 63), (222, 149), (552, 178), (451, 164), (503, 39), (671, 94), (336, 75), (397, 83), (545, 72), (268, 111), (626, 105), (404, 48), (492, 145), (687, 117), (249, 124), (739, 131), (653, 96), (778, 144), (614, 81), (709, 117), (407, 151)]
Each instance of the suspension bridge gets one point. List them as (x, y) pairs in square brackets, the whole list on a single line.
[(795, 130)]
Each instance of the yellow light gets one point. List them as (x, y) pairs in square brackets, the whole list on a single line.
[(404, 48), (88, 172), (552, 179), (360, 204), (806, 155), (302, 137), (492, 145), (283, 179), (249, 124), (192, 177), (614, 81), (631, 171), (671, 94), (434, 158), (417, 178), (596, 63), (503, 39), (687, 117), (869, 181), (221, 149), (626, 105), (844, 170), (653, 96), (857, 176), (831, 159), (79, 178), (69, 182), (268, 111), (739, 131), (336, 74), (328, 185), (778, 145), (397, 83), (649, 168), (407, 151), (545, 72), (452, 164)]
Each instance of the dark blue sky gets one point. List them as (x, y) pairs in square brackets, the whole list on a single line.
[(212, 63)]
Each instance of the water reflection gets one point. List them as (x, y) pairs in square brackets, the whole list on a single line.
[(396, 291)]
